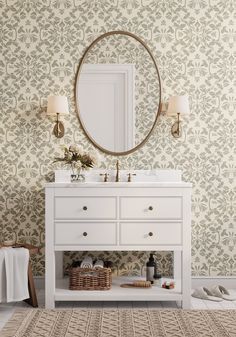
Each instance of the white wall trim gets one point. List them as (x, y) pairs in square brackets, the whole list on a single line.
[(206, 281), (213, 277), (39, 282)]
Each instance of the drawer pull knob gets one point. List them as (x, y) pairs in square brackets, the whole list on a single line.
[(150, 208), (150, 233), (85, 208), (85, 233)]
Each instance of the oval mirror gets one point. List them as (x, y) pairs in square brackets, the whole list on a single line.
[(118, 92)]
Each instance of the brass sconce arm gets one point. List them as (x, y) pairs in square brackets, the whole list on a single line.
[(176, 129)]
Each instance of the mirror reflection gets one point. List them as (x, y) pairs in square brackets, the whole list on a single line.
[(117, 93)]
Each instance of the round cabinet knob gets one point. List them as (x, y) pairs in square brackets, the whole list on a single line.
[(85, 233), (150, 208), (150, 233), (85, 208)]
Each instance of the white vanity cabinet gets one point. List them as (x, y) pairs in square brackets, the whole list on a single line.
[(114, 217)]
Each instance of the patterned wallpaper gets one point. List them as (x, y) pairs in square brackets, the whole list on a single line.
[(194, 45)]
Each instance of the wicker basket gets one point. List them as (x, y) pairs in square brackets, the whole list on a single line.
[(90, 279)]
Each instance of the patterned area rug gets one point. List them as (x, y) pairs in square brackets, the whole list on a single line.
[(121, 323)]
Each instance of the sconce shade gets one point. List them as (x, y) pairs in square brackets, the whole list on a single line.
[(57, 104), (178, 104)]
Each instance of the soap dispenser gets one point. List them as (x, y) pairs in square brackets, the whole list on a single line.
[(150, 268)]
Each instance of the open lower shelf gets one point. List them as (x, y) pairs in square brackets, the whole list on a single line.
[(116, 293)]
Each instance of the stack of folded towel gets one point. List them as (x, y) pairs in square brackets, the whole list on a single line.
[(98, 264), (13, 274), (88, 263)]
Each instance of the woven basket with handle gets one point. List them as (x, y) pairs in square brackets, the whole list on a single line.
[(90, 279)]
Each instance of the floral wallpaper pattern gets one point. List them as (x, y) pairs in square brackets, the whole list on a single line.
[(41, 43)]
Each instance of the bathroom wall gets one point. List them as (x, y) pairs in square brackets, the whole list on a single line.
[(194, 44)]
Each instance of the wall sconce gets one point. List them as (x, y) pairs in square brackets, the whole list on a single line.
[(58, 105), (177, 105)]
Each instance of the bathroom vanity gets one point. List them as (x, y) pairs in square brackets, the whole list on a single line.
[(141, 210), (118, 216)]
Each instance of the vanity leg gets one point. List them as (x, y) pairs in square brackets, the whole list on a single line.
[(50, 271), (59, 265), (186, 279), (177, 272), (50, 282), (186, 253), (177, 265)]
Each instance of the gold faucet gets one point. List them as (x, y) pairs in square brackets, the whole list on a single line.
[(117, 171)]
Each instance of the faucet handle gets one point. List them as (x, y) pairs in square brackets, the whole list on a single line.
[(105, 176), (129, 176)]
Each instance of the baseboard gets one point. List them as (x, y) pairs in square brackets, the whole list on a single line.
[(197, 281), (228, 282), (39, 282)]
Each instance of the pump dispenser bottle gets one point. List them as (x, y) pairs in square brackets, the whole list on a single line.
[(150, 268)]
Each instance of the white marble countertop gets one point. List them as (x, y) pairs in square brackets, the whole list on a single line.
[(119, 184)]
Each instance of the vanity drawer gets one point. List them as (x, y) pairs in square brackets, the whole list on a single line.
[(85, 233), (151, 208), (85, 208), (138, 233)]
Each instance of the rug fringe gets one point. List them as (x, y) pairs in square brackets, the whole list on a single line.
[(12, 326)]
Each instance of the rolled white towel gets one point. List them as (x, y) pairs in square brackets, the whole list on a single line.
[(87, 262), (98, 264)]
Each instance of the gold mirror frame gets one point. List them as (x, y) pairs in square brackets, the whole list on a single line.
[(117, 32)]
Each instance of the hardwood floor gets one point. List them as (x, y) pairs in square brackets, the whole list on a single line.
[(6, 310)]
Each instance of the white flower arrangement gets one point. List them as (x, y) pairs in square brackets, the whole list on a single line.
[(77, 159)]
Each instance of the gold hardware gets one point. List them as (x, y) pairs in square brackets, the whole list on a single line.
[(59, 129), (117, 171), (175, 129), (105, 176), (129, 176)]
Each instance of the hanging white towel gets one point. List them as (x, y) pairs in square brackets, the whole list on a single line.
[(87, 262), (16, 262), (3, 288), (98, 264)]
